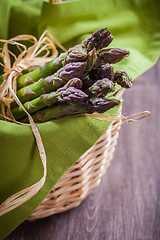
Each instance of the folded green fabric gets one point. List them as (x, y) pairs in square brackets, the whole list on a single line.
[(4, 18), (24, 17), (135, 26)]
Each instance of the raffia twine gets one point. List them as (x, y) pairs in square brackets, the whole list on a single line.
[(27, 58), (116, 117), (124, 119)]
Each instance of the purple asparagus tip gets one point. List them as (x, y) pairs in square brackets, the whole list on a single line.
[(74, 82), (71, 95), (123, 79), (103, 71), (72, 70), (99, 39), (112, 55), (101, 88), (101, 105), (76, 54)]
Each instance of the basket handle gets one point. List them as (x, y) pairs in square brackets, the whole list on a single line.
[(55, 1)]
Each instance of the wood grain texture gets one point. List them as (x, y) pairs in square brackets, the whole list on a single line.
[(126, 205)]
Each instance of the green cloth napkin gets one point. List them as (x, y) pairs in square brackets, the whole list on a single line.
[(24, 17), (4, 18), (135, 26)]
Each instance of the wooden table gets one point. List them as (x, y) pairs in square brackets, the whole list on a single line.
[(126, 205)]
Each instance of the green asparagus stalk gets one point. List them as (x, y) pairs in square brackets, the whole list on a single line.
[(111, 55), (74, 54), (51, 83), (41, 72), (99, 105), (98, 40), (69, 93), (123, 79)]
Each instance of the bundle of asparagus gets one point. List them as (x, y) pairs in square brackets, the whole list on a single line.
[(76, 82)]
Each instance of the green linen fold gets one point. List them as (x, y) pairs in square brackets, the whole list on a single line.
[(135, 26), (24, 17)]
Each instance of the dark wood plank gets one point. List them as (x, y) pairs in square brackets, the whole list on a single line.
[(127, 203)]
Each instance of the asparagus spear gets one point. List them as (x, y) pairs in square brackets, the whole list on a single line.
[(99, 105), (74, 54), (74, 82), (69, 93), (123, 79), (98, 40), (103, 71), (51, 83), (40, 72), (111, 55), (101, 88)]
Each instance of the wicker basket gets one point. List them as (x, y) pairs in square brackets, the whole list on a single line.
[(83, 176)]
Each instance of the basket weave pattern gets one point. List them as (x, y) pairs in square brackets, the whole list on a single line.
[(81, 177)]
